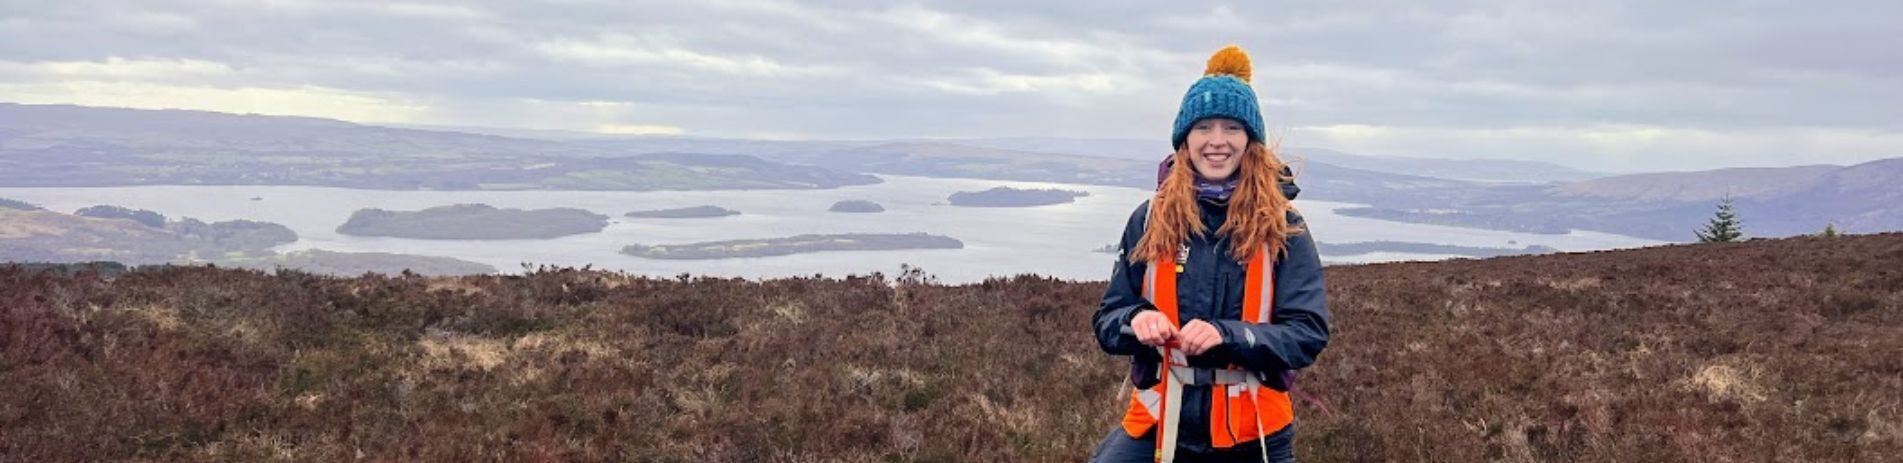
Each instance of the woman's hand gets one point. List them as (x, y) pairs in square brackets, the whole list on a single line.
[(1152, 328), (1199, 336)]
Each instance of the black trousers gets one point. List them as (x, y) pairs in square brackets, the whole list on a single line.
[(1118, 447)]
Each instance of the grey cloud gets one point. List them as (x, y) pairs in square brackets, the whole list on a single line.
[(1002, 68)]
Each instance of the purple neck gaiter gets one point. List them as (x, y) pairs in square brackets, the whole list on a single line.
[(1219, 191)]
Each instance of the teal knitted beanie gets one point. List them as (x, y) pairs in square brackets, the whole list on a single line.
[(1223, 91)]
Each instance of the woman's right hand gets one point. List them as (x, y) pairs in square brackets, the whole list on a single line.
[(1152, 328)]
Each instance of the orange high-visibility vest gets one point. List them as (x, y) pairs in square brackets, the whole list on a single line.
[(1241, 408)]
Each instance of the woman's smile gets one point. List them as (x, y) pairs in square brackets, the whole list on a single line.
[(1217, 160)]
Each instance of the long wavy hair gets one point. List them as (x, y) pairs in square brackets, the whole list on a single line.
[(1258, 213)]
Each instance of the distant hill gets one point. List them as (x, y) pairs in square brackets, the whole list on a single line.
[(77, 146), (83, 146), (1478, 170), (1772, 202), (1767, 350), (1474, 170), (45, 126), (1120, 148), (1710, 185), (938, 159), (1865, 197)]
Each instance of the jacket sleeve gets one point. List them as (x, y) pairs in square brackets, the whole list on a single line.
[(1124, 296), (1298, 328)]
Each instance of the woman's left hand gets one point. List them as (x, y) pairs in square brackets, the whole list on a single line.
[(1199, 336)]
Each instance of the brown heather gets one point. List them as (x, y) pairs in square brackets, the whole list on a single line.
[(1786, 350)]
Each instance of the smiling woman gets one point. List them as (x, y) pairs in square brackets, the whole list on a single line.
[(1213, 364)]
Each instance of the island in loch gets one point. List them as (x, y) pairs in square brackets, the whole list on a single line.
[(799, 244), (1005, 196), (473, 222), (696, 212), (857, 206)]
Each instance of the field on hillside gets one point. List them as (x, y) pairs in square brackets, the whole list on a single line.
[(1784, 350)]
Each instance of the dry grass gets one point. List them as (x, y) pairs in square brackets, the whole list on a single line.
[(1763, 351)]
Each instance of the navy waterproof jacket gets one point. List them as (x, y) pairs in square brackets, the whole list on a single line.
[(1210, 289)]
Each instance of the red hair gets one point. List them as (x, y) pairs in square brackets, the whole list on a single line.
[(1258, 212)]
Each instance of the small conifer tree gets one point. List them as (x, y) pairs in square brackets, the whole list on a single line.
[(1723, 227)]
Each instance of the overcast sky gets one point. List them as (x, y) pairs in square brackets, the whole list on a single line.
[(1611, 86)]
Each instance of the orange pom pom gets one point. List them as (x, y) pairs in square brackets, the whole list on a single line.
[(1230, 60)]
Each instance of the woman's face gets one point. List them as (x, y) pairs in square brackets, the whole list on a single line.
[(1216, 146)]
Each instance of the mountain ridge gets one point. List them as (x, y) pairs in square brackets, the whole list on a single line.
[(1773, 201)]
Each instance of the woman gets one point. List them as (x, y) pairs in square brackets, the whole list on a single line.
[(1217, 293)]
